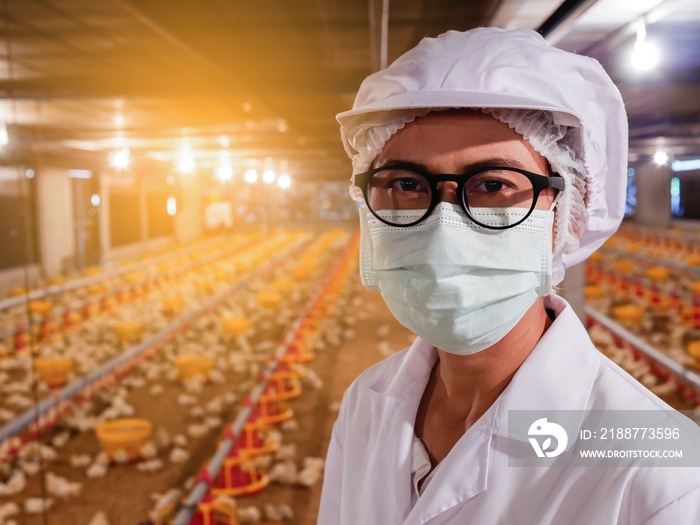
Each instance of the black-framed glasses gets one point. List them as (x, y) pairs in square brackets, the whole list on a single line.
[(493, 197)]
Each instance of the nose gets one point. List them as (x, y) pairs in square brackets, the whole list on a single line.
[(448, 191)]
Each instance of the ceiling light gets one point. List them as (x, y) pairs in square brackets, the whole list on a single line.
[(119, 121), (269, 176), (224, 142), (29, 173), (171, 206), (119, 158), (685, 165), (660, 158), (186, 164), (251, 176), (4, 137), (645, 55), (284, 181), (224, 172), (95, 200), (282, 126)]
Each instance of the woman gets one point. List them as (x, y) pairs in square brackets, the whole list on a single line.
[(488, 162)]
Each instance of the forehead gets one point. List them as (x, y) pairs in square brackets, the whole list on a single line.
[(447, 141)]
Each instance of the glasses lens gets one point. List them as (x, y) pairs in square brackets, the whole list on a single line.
[(399, 196), (498, 197)]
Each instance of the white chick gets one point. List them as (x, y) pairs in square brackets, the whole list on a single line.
[(284, 472), (249, 515), (152, 465), (149, 450), (96, 470), (8, 510), (61, 487), (286, 452), (99, 519), (37, 505), (179, 455), (80, 460), (197, 431), (16, 483)]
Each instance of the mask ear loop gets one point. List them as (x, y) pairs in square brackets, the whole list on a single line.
[(556, 200)]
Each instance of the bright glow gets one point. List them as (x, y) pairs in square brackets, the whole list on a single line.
[(80, 174), (284, 181), (251, 175), (170, 180), (685, 165), (676, 210), (4, 137), (645, 55), (269, 176), (225, 172), (172, 206), (95, 200), (282, 127), (120, 158), (660, 158), (247, 108), (186, 164), (224, 142), (119, 121), (29, 173)]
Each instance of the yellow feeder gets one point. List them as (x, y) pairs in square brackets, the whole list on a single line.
[(133, 278), (91, 271), (129, 435), (40, 307), (593, 292), (624, 266), (695, 287), (172, 304), (128, 331), (269, 298), (658, 273), (629, 314), (284, 285), (18, 292), (53, 370), (693, 260), (300, 273), (595, 257), (694, 349), (97, 289), (192, 365), (203, 286), (57, 281), (234, 326)]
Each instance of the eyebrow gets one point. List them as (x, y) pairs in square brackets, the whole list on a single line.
[(505, 162)]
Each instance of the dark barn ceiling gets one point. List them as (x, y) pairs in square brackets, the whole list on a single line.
[(269, 75)]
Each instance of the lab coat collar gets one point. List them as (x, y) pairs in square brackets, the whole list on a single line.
[(554, 376)]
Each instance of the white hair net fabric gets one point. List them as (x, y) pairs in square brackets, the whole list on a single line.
[(564, 104)]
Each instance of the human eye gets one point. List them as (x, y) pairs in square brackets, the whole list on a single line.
[(408, 184), (402, 181)]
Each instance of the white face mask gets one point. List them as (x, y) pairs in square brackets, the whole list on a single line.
[(457, 285)]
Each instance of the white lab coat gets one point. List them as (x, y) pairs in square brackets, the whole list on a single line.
[(368, 468)]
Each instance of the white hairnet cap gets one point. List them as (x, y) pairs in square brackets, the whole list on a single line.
[(495, 68)]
